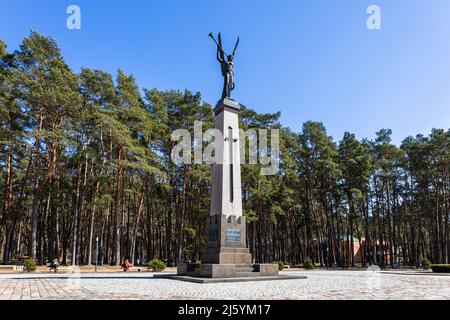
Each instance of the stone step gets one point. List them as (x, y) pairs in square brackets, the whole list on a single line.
[(247, 274), (244, 266), (244, 269)]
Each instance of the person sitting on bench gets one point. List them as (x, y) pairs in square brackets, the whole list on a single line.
[(54, 265), (126, 265)]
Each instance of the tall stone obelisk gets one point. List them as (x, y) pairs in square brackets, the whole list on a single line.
[(226, 242)]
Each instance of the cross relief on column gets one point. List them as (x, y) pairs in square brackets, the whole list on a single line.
[(230, 140)]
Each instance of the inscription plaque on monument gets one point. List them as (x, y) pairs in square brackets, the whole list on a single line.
[(233, 236)]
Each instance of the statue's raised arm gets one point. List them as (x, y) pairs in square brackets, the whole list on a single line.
[(220, 55)]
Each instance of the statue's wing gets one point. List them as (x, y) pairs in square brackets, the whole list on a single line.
[(236, 46)]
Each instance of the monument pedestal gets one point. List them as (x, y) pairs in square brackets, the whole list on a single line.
[(226, 241), (226, 271), (226, 255)]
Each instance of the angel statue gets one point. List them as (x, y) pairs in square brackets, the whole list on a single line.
[(227, 66)]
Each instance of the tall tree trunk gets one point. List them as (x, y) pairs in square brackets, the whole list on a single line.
[(8, 204), (35, 203), (92, 220), (138, 220), (77, 215), (118, 217)]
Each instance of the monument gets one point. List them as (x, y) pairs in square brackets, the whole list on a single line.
[(226, 256)]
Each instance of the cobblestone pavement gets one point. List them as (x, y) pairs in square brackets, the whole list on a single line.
[(136, 286)]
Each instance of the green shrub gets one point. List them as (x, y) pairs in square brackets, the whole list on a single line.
[(309, 264), (29, 265), (343, 264), (426, 264), (440, 268), (281, 265), (188, 250), (156, 265)]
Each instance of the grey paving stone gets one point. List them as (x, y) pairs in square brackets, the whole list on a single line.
[(319, 285)]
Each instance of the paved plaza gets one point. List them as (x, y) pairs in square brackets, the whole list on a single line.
[(319, 285)]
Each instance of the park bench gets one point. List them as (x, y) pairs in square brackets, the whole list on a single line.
[(14, 265), (67, 269), (132, 268), (11, 268), (6, 267)]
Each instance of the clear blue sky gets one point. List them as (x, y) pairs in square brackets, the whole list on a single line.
[(311, 60)]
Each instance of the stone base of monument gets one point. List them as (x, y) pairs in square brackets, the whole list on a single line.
[(195, 279), (217, 273), (227, 270)]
